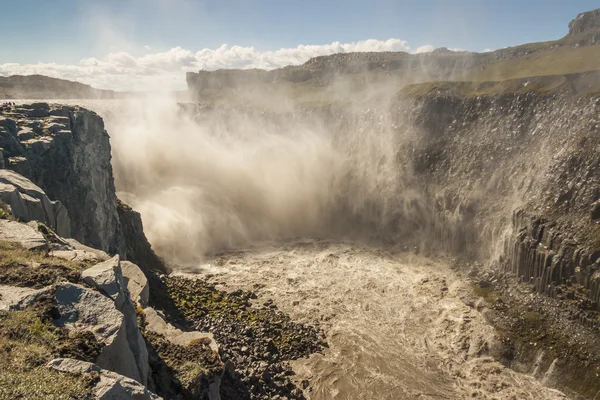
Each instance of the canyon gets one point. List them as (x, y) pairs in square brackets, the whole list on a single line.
[(364, 225)]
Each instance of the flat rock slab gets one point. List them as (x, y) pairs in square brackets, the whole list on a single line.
[(75, 255), (10, 296), (25, 235), (102, 256), (111, 386), (176, 336)]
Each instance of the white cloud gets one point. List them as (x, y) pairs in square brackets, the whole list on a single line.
[(147, 47), (425, 49), (161, 70)]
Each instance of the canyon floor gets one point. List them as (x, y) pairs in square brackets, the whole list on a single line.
[(398, 324)]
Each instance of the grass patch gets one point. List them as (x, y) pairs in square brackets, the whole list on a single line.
[(35, 269), (28, 341), (5, 211)]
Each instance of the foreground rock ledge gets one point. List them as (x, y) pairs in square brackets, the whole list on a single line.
[(110, 386)]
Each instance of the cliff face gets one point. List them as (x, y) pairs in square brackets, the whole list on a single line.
[(523, 168), (585, 22), (544, 58), (66, 151), (44, 87)]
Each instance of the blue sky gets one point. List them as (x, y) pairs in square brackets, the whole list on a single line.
[(68, 31)]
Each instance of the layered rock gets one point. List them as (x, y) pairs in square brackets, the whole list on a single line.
[(29, 203), (66, 152), (585, 22), (26, 235), (111, 386), (107, 277)]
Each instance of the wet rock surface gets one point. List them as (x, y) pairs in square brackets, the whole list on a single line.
[(540, 335), (255, 340)]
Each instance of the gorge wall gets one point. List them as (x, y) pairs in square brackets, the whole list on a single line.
[(67, 153), (518, 169)]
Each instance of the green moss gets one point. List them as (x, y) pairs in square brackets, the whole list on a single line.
[(190, 368), (197, 300)]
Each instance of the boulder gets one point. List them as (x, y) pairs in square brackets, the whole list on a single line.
[(136, 282), (176, 336), (107, 277), (76, 255), (23, 234), (10, 296), (84, 309), (28, 202), (111, 385)]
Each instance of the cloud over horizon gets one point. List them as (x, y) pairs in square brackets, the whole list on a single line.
[(160, 70)]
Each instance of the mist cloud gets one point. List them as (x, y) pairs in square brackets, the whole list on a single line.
[(166, 70)]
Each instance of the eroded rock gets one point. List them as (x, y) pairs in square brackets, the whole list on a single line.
[(111, 385), (107, 277), (157, 324), (28, 202), (136, 282), (10, 296), (22, 234)]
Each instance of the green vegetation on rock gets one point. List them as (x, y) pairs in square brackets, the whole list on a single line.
[(28, 341), (35, 269)]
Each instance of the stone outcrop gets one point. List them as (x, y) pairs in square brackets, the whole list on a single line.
[(83, 309), (26, 235), (587, 21), (136, 282), (65, 151), (111, 386), (28, 203), (157, 324), (107, 277), (137, 248), (11, 296)]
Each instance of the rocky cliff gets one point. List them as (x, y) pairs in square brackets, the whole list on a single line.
[(66, 152), (44, 87), (71, 315), (516, 160), (509, 175), (544, 58)]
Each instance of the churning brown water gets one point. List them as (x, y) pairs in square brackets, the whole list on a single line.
[(395, 322)]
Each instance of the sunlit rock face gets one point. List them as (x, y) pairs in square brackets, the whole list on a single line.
[(585, 22), (66, 152)]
